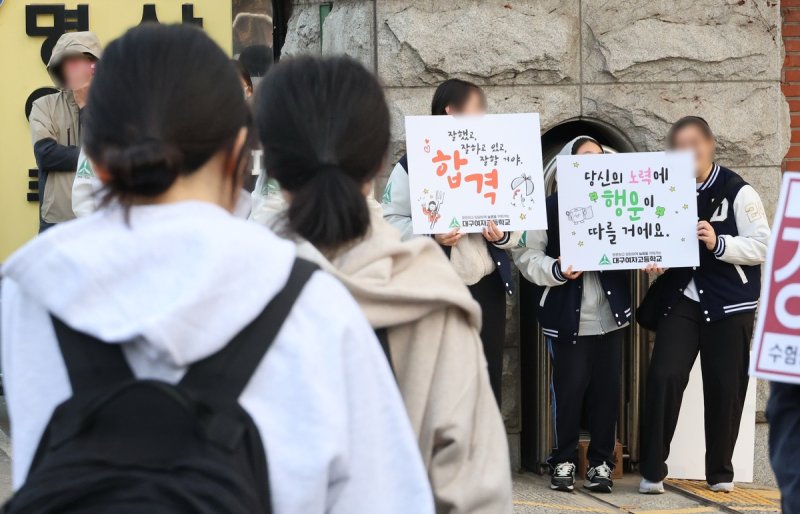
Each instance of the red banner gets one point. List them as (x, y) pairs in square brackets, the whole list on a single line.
[(777, 340)]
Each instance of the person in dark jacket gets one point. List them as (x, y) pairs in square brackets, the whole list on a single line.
[(582, 316), (707, 310), (783, 414), (480, 259)]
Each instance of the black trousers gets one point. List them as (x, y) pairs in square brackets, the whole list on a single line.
[(724, 348), (586, 372), (783, 413), (491, 296)]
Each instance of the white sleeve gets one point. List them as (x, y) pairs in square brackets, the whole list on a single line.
[(384, 465), (396, 202), (750, 246), (534, 264), (84, 188)]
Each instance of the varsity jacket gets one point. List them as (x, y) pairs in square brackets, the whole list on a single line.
[(396, 203), (728, 280), (560, 300)]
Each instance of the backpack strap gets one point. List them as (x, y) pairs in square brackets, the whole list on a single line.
[(221, 377), (383, 338), (91, 363), (727, 188)]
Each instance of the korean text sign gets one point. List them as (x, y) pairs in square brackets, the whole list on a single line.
[(777, 340), (623, 211), (466, 170)]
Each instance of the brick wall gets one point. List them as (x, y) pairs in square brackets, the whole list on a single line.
[(790, 9)]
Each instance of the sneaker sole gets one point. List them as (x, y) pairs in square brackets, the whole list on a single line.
[(600, 488), (565, 488), (651, 491)]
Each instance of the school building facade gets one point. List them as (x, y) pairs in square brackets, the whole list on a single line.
[(621, 71)]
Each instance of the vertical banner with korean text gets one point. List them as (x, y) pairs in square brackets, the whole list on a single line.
[(777, 339), (623, 211), (466, 170)]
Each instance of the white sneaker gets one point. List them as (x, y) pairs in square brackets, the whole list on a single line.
[(722, 487), (648, 487)]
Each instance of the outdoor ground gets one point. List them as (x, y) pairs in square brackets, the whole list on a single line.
[(532, 494)]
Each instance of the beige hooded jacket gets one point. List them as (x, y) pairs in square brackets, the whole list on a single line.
[(55, 130), (433, 325)]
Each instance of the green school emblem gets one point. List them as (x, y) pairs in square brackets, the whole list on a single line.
[(387, 194), (455, 223), (523, 240), (85, 169), (604, 260)]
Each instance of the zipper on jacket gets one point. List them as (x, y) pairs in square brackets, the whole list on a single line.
[(69, 141)]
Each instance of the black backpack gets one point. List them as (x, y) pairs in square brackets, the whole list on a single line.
[(125, 445)]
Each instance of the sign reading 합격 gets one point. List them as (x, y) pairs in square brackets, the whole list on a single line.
[(623, 211), (776, 350), (467, 170)]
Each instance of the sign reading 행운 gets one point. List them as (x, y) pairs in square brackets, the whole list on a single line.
[(776, 350), (467, 170), (623, 211)]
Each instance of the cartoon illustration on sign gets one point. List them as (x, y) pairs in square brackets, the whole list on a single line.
[(578, 215), (432, 207), (523, 188)]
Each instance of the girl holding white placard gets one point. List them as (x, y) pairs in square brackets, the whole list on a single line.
[(706, 310), (479, 259), (581, 315)]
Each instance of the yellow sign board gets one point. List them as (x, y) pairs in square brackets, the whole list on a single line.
[(24, 72)]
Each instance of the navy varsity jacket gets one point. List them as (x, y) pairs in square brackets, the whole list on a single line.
[(559, 307), (728, 280)]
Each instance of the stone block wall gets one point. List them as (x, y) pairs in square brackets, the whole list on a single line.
[(636, 64), (791, 77)]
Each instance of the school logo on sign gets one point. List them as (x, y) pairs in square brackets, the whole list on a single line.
[(455, 223), (604, 261)]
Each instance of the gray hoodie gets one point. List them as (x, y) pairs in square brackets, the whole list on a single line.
[(173, 286)]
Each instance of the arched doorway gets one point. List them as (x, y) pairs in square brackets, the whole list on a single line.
[(536, 438)]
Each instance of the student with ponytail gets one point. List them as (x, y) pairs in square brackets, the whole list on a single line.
[(165, 284), (324, 125)]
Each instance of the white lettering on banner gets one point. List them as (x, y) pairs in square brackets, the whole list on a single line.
[(624, 211), (465, 171), (777, 337)]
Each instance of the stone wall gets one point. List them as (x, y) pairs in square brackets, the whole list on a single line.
[(636, 64)]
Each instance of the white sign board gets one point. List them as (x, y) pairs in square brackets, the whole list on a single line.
[(687, 454), (466, 170), (623, 211), (776, 349)]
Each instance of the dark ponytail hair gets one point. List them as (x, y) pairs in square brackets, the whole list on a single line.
[(324, 125), (164, 100), (453, 93), (689, 121)]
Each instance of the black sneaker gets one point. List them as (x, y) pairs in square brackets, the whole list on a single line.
[(598, 479), (563, 477)]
